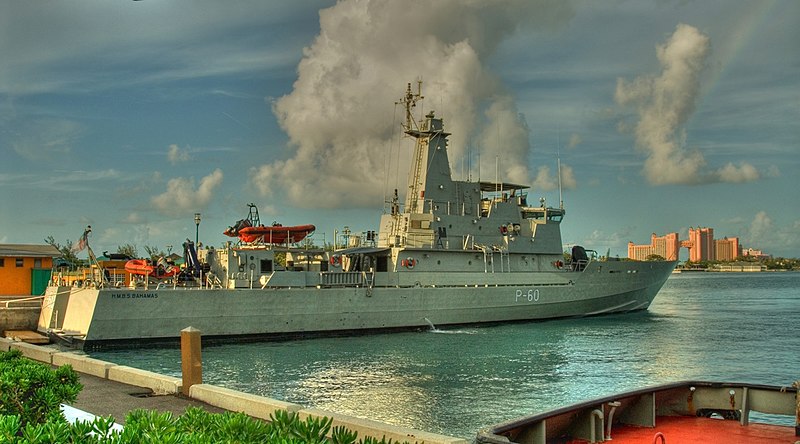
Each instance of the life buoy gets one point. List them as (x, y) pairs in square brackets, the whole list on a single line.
[(503, 230), (409, 263), (558, 264), (335, 260)]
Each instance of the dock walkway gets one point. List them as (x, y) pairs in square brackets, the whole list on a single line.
[(102, 397)]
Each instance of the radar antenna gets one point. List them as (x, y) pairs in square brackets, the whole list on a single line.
[(558, 156), (410, 101), (253, 216)]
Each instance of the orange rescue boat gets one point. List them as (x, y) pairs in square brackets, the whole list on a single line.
[(250, 230), (275, 234), (143, 267)]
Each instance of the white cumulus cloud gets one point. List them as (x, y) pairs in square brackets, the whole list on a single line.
[(177, 155), (181, 195), (664, 103), (547, 181), (339, 120), (574, 140)]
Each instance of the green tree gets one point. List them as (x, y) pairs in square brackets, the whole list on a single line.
[(153, 252), (128, 249), (307, 244), (66, 251)]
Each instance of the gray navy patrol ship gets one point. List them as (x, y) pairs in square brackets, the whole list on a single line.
[(456, 253)]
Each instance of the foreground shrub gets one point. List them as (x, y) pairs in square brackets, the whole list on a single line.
[(196, 426), (33, 391)]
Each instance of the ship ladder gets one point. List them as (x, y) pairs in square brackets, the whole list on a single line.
[(488, 258), (505, 259), (213, 281), (417, 173), (369, 279), (469, 242)]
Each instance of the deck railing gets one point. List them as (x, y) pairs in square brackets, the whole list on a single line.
[(32, 298), (347, 278)]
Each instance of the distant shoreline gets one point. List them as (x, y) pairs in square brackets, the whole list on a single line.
[(726, 270)]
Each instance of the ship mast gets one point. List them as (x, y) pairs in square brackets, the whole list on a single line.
[(410, 102), (558, 156)]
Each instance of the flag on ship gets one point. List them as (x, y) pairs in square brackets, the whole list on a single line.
[(81, 243)]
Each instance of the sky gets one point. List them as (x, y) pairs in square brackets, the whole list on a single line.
[(132, 116)]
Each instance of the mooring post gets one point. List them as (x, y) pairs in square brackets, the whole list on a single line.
[(191, 360)]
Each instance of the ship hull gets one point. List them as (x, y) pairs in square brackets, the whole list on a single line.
[(98, 318)]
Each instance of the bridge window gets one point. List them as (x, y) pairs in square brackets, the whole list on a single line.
[(533, 214)]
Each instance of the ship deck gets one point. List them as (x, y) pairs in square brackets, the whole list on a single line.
[(680, 412), (689, 429)]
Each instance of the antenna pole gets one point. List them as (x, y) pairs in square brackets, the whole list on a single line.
[(496, 174), (560, 195), (558, 157), (410, 101)]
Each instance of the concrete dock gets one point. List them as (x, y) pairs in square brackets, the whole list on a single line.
[(103, 397), (20, 312), (111, 389)]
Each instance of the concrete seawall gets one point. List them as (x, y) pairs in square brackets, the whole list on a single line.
[(231, 400), (19, 318)]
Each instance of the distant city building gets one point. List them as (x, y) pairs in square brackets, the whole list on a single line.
[(751, 252), (727, 250), (666, 246), (701, 244)]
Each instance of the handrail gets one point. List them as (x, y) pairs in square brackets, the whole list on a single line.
[(33, 298), (579, 265)]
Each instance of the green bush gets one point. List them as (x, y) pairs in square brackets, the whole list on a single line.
[(196, 426), (33, 391)]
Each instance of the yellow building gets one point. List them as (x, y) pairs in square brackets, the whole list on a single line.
[(666, 246), (727, 249), (25, 269)]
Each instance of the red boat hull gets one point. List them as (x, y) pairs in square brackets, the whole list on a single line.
[(144, 268), (275, 234)]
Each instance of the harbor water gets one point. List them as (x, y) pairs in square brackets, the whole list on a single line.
[(735, 327)]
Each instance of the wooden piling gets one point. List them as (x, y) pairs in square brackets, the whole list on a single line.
[(191, 359)]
